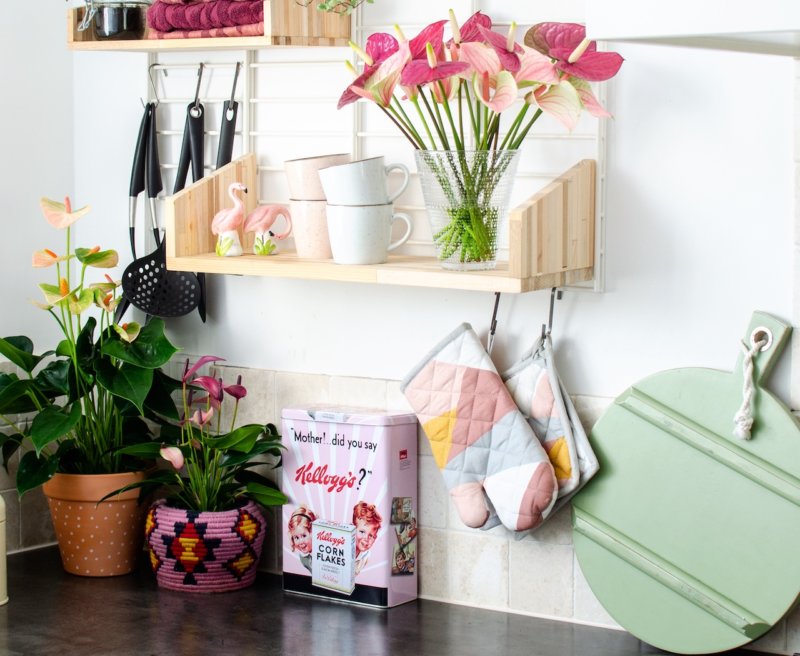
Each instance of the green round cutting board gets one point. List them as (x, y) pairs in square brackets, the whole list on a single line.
[(687, 535)]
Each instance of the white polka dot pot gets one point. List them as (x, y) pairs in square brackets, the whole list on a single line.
[(96, 539), (205, 551)]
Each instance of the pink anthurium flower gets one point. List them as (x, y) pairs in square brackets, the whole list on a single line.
[(214, 388), (190, 371), (237, 391), (588, 100), (423, 71), (506, 48), (535, 68), (173, 455), (202, 417), (380, 86), (60, 215), (561, 101), (574, 53), (498, 92), (433, 34), (469, 31), (46, 258), (379, 46)]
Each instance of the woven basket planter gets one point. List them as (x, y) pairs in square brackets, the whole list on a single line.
[(205, 551)]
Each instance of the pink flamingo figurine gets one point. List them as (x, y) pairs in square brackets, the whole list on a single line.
[(226, 224), (260, 221)]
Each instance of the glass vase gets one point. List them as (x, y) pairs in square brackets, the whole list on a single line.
[(466, 196)]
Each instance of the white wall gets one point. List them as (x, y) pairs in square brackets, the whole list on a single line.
[(699, 223)]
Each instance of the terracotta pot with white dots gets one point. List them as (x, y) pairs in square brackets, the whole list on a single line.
[(96, 539)]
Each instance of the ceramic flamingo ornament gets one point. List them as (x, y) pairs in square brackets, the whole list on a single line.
[(226, 224), (260, 221)]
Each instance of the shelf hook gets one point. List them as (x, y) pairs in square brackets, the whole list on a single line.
[(493, 324), (197, 89), (152, 81), (555, 293)]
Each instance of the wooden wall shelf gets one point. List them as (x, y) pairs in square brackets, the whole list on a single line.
[(286, 24), (551, 240)]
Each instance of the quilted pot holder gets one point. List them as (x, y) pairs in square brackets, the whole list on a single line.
[(491, 461), (538, 392)]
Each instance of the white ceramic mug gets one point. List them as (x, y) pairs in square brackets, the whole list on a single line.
[(362, 234), (303, 175), (363, 182), (310, 229)]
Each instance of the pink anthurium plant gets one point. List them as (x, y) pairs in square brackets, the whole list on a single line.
[(76, 405), (459, 89), (210, 463)]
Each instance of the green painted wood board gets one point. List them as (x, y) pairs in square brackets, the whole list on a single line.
[(689, 536)]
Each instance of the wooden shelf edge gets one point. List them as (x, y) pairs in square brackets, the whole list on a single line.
[(408, 271)]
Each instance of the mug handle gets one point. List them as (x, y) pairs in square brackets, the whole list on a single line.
[(404, 169), (404, 238)]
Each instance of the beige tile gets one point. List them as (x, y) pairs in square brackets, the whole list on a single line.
[(478, 569), (13, 533), (586, 607), (8, 478), (557, 528), (433, 495), (395, 400), (540, 578), (357, 392), (258, 407), (294, 390), (590, 409), (36, 528), (434, 560)]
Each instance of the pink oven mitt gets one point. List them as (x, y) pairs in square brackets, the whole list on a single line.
[(538, 392), (492, 463)]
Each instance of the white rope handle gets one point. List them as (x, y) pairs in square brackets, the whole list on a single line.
[(743, 419)]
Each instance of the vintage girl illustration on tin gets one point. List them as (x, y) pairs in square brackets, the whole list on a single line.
[(367, 521), (300, 537)]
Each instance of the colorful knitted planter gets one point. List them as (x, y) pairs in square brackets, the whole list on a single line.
[(205, 551)]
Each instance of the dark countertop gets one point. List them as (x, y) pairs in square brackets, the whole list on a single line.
[(54, 613)]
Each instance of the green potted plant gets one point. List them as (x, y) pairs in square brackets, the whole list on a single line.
[(207, 534), (73, 408), (335, 6)]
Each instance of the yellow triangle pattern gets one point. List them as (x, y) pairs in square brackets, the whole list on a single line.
[(559, 458), (440, 434)]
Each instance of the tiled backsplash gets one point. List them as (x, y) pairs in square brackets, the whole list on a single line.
[(536, 575)]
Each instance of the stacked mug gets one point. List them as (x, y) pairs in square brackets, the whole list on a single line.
[(308, 206), (360, 212)]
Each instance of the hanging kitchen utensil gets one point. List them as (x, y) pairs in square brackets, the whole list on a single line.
[(146, 282), (136, 187), (227, 130), (192, 150), (688, 534)]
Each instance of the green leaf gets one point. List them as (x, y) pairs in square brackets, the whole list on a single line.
[(11, 443), (234, 460), (128, 382), (151, 349), (51, 423), (145, 450), (264, 495), (100, 259), (54, 378), (19, 349), (159, 399), (34, 471), (17, 396), (241, 439)]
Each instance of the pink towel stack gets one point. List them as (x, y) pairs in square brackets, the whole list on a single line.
[(191, 19)]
